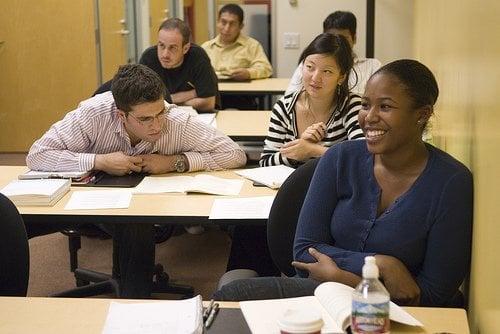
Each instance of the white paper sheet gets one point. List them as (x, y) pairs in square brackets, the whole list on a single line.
[(208, 118), (171, 316), (242, 208), (272, 176), (99, 199), (201, 183)]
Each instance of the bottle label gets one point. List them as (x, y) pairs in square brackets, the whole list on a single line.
[(368, 318)]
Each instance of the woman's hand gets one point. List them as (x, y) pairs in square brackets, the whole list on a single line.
[(301, 150), (314, 133), (325, 269), (398, 280)]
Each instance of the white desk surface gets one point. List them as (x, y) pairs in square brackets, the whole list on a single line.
[(259, 86), (158, 205), (241, 124)]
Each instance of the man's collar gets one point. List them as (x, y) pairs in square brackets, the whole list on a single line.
[(239, 40)]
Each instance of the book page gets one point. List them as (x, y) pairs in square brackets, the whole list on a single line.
[(158, 185), (337, 299), (272, 176), (262, 315), (170, 316), (99, 199), (242, 208), (215, 185)]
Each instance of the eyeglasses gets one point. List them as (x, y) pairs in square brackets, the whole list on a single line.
[(149, 120)]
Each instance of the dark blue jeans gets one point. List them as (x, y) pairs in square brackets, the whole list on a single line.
[(266, 288)]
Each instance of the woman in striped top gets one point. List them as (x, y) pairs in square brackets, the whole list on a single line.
[(305, 123)]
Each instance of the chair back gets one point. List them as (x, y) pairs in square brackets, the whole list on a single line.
[(14, 251), (284, 215)]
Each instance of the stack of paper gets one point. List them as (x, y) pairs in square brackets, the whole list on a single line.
[(272, 176), (36, 192), (169, 316), (200, 183)]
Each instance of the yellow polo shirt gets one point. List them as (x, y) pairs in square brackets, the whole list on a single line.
[(245, 52)]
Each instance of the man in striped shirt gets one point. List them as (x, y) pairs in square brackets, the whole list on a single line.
[(132, 129)]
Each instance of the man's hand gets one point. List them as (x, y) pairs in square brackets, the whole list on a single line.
[(240, 74), (398, 280), (117, 163), (325, 269), (314, 133), (157, 163), (301, 149)]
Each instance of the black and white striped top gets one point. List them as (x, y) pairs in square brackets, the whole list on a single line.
[(342, 125)]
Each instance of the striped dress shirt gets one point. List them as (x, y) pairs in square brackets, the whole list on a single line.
[(95, 128), (283, 127)]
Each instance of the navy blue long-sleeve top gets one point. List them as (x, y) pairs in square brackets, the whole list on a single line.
[(428, 228)]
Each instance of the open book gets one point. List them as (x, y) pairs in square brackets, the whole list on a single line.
[(272, 176), (332, 300), (38, 192), (200, 183), (168, 316)]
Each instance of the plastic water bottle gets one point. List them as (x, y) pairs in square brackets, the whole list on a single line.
[(370, 303)]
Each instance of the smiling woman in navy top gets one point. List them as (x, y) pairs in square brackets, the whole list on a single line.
[(392, 196)]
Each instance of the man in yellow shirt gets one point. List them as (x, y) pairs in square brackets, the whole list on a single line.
[(233, 55)]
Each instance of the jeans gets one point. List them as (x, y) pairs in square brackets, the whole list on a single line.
[(266, 288)]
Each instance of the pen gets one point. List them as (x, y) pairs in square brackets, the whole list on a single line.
[(190, 84), (212, 315), (207, 311)]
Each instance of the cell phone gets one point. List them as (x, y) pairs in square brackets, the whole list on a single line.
[(258, 184)]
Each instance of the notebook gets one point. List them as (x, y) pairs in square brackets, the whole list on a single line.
[(102, 179), (39, 192)]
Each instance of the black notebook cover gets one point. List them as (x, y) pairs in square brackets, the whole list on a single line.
[(102, 179)]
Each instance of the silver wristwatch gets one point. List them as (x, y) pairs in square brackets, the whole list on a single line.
[(180, 163)]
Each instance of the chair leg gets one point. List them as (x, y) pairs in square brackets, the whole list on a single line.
[(74, 244), (162, 284), (100, 288)]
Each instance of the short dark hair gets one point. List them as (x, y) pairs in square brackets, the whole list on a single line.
[(340, 20), (337, 47), (234, 9), (134, 84), (420, 83), (177, 24)]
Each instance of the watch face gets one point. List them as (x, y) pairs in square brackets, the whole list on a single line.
[(180, 166)]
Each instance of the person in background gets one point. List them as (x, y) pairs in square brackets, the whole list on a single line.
[(132, 129), (321, 113), (391, 196), (235, 56), (184, 67), (343, 23)]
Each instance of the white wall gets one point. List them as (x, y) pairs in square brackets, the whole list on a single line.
[(306, 18), (393, 28)]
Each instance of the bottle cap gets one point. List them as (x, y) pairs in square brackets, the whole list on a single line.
[(370, 269), (300, 321)]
